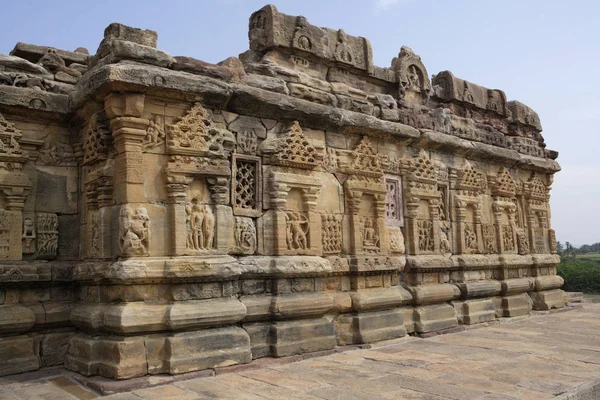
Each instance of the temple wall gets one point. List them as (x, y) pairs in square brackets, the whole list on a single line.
[(166, 215)]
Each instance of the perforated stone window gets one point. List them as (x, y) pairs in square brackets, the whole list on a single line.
[(245, 186), (394, 213)]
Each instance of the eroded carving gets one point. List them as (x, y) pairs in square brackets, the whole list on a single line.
[(134, 231), (425, 231), (245, 235), (396, 240), (47, 235)]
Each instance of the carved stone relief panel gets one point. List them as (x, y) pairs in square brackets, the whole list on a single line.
[(331, 227), (396, 240), (200, 226), (508, 237), (246, 185), (470, 237), (540, 240), (10, 235), (47, 235), (369, 231), (425, 238), (134, 231), (522, 241), (196, 134), (155, 133), (291, 148), (244, 233), (97, 139), (489, 239), (297, 228)]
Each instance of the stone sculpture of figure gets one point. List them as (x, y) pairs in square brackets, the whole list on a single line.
[(196, 225), (444, 243), (154, 133), (295, 234), (134, 232), (369, 233), (188, 225), (208, 227), (470, 238)]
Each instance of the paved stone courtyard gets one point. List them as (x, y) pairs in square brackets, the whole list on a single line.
[(537, 357)]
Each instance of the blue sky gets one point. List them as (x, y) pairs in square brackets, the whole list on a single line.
[(544, 53)]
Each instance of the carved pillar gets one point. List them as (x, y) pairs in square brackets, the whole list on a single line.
[(128, 131), (412, 229), (178, 216), (384, 245), (310, 197), (461, 219), (356, 243)]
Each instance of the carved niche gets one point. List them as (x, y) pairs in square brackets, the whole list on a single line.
[(297, 225), (14, 188), (414, 84), (331, 226), (469, 188), (504, 210), (293, 192), (366, 195), (423, 198), (198, 150), (536, 195)]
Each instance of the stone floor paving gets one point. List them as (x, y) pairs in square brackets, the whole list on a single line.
[(539, 357)]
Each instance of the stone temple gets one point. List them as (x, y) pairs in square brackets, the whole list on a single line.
[(161, 215)]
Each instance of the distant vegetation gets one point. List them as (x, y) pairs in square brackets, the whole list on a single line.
[(580, 267)]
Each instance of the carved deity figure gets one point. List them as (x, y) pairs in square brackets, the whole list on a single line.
[(296, 231), (208, 227), (444, 243), (425, 230), (470, 238), (245, 234), (522, 242), (135, 231), (370, 238), (155, 133), (200, 226)]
